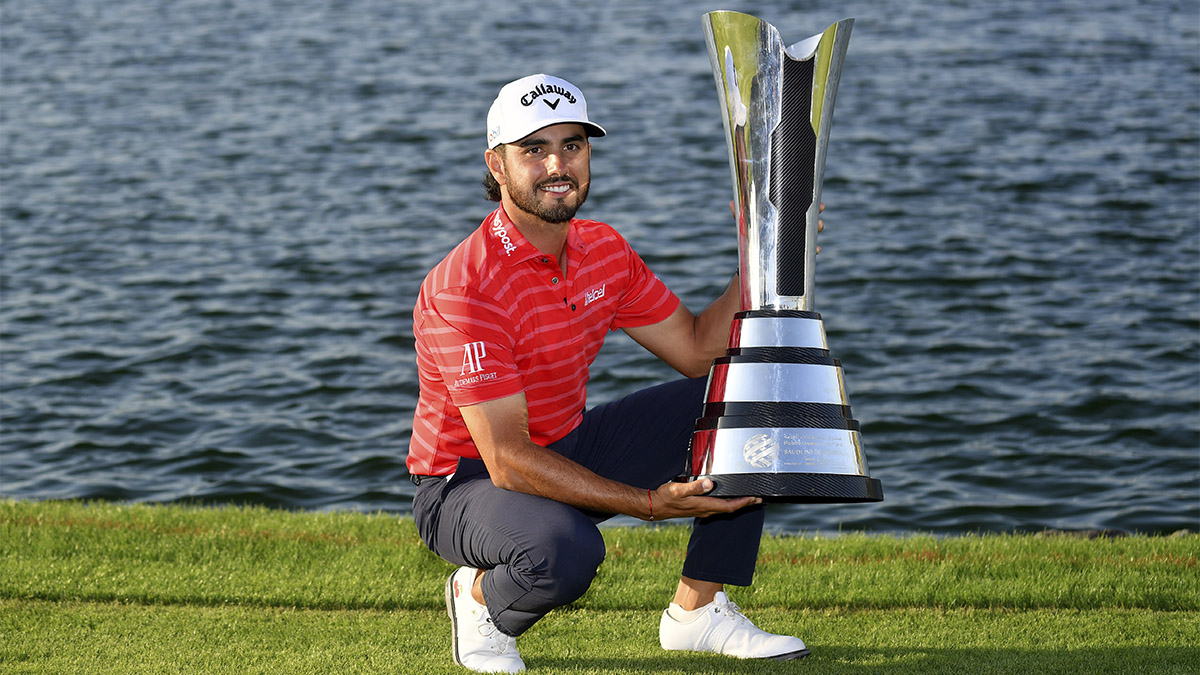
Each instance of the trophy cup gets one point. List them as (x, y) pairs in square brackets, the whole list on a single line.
[(776, 422)]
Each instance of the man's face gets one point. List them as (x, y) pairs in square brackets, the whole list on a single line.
[(548, 172)]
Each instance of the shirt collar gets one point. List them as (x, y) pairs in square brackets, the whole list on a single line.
[(575, 241), (507, 243)]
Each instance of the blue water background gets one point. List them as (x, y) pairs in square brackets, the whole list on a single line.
[(216, 216)]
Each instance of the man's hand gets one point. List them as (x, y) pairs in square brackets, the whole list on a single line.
[(687, 500)]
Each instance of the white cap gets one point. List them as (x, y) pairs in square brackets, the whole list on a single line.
[(523, 106)]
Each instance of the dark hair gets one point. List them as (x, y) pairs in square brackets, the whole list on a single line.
[(490, 186)]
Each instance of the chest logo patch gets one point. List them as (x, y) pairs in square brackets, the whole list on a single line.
[(593, 295)]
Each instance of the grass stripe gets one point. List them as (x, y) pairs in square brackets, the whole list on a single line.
[(102, 587), (43, 637)]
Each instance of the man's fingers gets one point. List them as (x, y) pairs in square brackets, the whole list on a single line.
[(729, 504), (742, 502), (697, 487)]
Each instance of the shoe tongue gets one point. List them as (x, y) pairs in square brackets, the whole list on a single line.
[(720, 598)]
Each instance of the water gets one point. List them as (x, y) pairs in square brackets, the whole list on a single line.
[(216, 216)]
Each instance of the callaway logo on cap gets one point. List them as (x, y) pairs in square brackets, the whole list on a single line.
[(523, 106)]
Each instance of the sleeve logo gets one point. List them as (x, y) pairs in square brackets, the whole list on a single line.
[(472, 366), (473, 355)]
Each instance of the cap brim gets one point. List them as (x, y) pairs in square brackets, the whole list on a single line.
[(593, 130)]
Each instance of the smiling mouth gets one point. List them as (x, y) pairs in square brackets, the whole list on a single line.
[(560, 185)]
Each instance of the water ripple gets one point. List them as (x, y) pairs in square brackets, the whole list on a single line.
[(215, 220)]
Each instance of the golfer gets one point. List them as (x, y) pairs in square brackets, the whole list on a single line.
[(513, 474)]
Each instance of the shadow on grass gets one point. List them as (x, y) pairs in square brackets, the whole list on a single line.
[(1181, 659)]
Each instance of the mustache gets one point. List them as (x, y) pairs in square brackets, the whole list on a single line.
[(565, 178)]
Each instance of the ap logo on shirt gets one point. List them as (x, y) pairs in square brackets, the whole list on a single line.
[(473, 354)]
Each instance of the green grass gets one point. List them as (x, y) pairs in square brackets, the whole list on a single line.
[(109, 588)]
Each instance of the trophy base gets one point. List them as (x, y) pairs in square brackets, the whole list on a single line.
[(798, 488)]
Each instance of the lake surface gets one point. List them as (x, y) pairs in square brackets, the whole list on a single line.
[(216, 216)]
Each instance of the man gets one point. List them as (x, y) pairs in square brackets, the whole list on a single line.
[(513, 475)]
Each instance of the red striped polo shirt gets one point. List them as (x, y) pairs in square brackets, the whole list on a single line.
[(497, 317)]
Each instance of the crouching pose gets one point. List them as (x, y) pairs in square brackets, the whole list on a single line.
[(512, 474)]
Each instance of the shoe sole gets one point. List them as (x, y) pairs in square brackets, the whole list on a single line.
[(790, 656), (453, 619), (786, 656)]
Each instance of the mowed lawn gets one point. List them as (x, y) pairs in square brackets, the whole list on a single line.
[(114, 588)]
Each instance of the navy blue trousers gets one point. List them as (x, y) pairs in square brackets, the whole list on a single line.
[(543, 554)]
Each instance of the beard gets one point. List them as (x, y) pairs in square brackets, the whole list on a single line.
[(558, 210)]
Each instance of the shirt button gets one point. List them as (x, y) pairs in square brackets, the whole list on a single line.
[(554, 280), (545, 260)]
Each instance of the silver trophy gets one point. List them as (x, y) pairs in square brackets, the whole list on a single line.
[(777, 423)]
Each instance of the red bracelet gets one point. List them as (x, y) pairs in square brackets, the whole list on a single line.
[(650, 498)]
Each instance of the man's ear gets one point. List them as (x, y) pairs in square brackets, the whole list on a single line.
[(495, 163)]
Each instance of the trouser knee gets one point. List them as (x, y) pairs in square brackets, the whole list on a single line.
[(555, 572), (570, 566)]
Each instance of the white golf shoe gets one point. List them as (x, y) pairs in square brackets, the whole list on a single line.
[(477, 643), (722, 628)]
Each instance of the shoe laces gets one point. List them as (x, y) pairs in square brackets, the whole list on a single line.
[(498, 642), (734, 612)]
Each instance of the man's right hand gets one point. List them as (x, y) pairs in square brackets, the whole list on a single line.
[(689, 500)]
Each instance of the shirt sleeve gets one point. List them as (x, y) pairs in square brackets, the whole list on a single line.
[(468, 340), (646, 299)]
